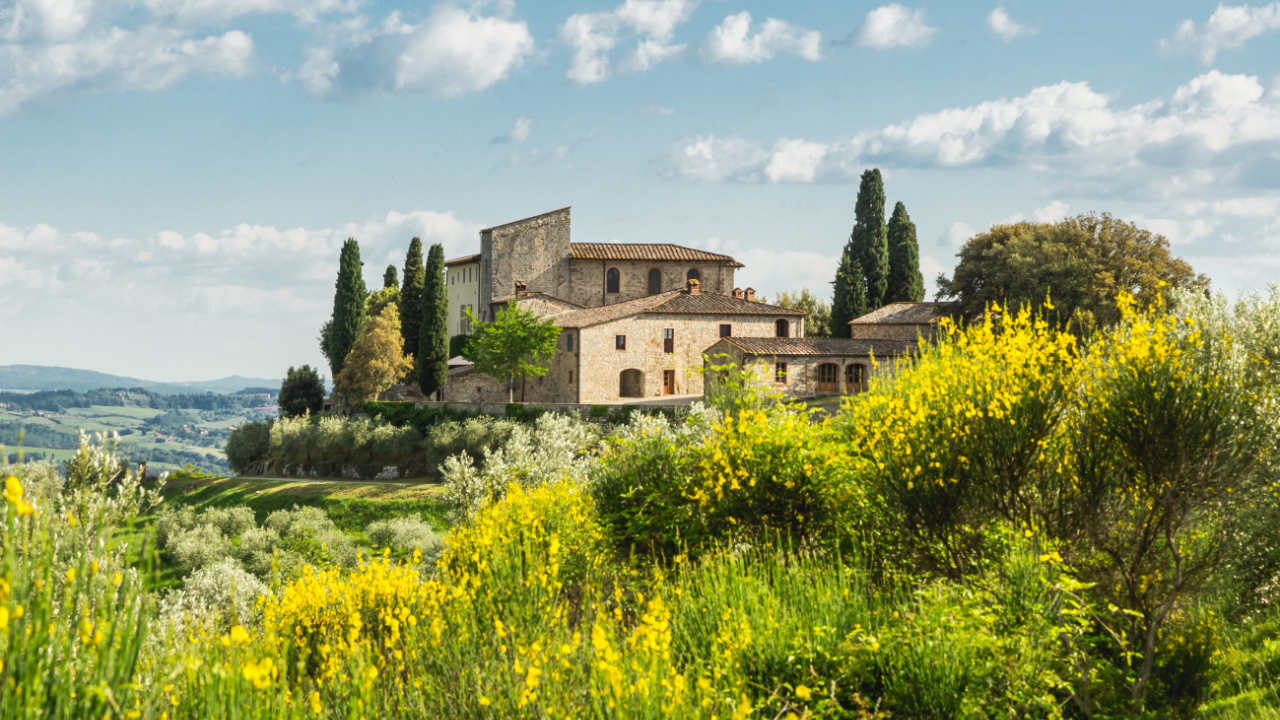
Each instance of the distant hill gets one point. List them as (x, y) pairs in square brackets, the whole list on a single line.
[(40, 377)]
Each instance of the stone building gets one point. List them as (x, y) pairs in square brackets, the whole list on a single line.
[(909, 321), (809, 367), (634, 318)]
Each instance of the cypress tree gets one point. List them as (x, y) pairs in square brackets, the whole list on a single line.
[(870, 238), (906, 283), (850, 294), (433, 340), (389, 279), (411, 298), (348, 307)]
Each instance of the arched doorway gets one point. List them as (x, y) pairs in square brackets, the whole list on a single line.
[(854, 377), (783, 327), (655, 281), (631, 383), (828, 378)]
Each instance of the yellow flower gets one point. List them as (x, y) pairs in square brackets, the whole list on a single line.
[(239, 635), (71, 575), (484, 701), (4, 617), (803, 692), (316, 707)]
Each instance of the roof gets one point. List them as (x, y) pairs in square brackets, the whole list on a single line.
[(531, 217), (645, 251), (464, 260), (821, 346), (906, 313), (532, 296), (672, 302)]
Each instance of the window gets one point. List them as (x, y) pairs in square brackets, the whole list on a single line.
[(464, 325), (612, 280), (570, 376), (620, 342), (726, 330), (693, 275), (853, 375), (780, 372), (655, 281), (568, 343), (783, 327), (669, 341), (827, 373)]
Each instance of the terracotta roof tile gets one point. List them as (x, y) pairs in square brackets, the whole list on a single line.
[(464, 260), (673, 302), (906, 313), (821, 346), (645, 251)]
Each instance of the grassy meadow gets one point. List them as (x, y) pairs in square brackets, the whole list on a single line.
[(1022, 523)]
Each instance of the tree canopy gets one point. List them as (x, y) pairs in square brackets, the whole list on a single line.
[(433, 337), (518, 344), (376, 362), (817, 321), (301, 392), (906, 284), (411, 297), (339, 334), (850, 294), (389, 278), (869, 239), (1079, 264)]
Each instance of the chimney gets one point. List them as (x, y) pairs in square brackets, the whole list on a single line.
[(521, 288), (750, 295), (737, 292), (693, 286)]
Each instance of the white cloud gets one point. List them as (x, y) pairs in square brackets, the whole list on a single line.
[(772, 271), (1178, 233), (713, 159), (593, 35), (214, 11), (1257, 206), (1229, 27), (1006, 27), (82, 59), (794, 161), (519, 133), (732, 42), (891, 26), (1052, 212), (956, 235), (1067, 128)]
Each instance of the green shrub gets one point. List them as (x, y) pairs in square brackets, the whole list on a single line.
[(198, 547), (404, 535), (249, 445), (599, 411), (521, 412)]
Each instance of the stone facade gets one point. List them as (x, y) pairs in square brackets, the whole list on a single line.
[(906, 321), (797, 367), (590, 278), (534, 251)]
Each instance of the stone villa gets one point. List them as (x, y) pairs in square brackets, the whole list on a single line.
[(637, 319)]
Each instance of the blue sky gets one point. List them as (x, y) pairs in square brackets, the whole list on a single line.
[(178, 175)]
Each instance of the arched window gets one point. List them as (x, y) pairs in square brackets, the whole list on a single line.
[(655, 281), (612, 280), (783, 327), (693, 274)]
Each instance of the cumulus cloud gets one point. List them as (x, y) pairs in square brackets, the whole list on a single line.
[(64, 53), (214, 11), (1006, 27), (1207, 129), (1229, 27), (453, 52), (593, 35), (733, 43), (261, 291), (892, 26)]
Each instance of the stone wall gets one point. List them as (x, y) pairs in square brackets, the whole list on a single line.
[(602, 364), (802, 370), (588, 279), (557, 386), (534, 250)]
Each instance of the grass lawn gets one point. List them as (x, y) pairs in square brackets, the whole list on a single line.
[(351, 505)]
